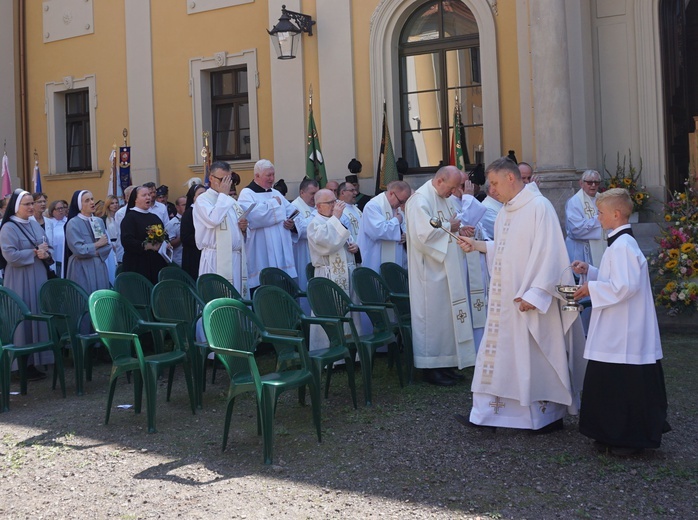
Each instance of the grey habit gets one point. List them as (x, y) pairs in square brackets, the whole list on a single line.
[(25, 274), (86, 266)]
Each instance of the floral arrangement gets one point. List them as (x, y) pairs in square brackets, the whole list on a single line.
[(676, 261), (155, 234), (628, 179)]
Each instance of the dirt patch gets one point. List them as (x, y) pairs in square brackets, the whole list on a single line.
[(405, 457)]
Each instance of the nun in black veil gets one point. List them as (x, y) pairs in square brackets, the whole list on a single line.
[(191, 255), (141, 255)]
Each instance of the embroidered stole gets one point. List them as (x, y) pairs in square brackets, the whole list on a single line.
[(596, 246)]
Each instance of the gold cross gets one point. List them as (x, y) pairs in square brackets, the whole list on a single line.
[(497, 404)]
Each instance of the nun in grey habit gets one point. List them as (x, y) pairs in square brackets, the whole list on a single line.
[(87, 244)]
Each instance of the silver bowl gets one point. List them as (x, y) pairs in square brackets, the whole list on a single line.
[(567, 292)]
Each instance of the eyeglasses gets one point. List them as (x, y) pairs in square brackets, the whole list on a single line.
[(398, 198), (59, 208), (328, 202), (592, 183)]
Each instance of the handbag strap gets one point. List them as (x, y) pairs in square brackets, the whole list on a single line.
[(25, 233)]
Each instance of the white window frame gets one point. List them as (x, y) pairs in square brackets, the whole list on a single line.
[(200, 91), (55, 122)]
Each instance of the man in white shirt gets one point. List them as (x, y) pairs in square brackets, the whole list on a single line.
[(269, 242), (382, 232), (157, 208)]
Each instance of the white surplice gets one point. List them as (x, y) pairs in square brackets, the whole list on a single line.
[(269, 244), (585, 238), (442, 332), (379, 234), (530, 365), (623, 326), (327, 242), (219, 238), (301, 255), (493, 207)]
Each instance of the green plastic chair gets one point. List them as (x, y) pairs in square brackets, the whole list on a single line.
[(233, 332), (211, 286), (137, 290), (328, 300), (176, 302), (279, 278), (66, 302), (395, 277), (282, 315), (118, 324), (372, 289), (174, 272), (13, 313)]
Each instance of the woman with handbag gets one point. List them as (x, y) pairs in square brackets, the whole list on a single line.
[(27, 258)]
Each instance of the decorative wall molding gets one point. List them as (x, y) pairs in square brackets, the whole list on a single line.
[(201, 6), (64, 19)]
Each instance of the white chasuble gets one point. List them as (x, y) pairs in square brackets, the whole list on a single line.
[(218, 236), (529, 363), (441, 319), (327, 241)]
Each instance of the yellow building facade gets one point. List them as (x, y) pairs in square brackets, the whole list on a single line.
[(563, 84)]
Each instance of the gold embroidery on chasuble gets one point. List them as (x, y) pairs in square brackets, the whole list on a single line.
[(495, 309)]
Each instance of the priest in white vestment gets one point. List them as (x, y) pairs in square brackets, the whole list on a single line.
[(305, 204), (219, 230), (382, 233), (585, 239), (330, 251), (529, 367), (442, 332), (269, 242), (352, 215)]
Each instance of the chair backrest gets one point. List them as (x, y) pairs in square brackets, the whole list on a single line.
[(12, 312), (309, 271), (395, 277), (279, 278), (230, 325), (111, 312), (66, 301), (327, 299), (211, 286), (174, 272), (177, 302), (137, 290), (370, 286), (276, 309)]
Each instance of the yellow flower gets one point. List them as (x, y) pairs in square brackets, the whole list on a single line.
[(639, 196), (673, 253), (687, 247), (671, 264), (627, 181), (695, 265), (667, 218), (670, 286), (158, 232)]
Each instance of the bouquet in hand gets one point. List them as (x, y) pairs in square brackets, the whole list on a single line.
[(155, 234)]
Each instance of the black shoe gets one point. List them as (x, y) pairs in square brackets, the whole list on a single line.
[(434, 376), (465, 421), (34, 374), (626, 452), (452, 373), (550, 428)]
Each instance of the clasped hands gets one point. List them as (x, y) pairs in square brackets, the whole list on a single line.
[(41, 251)]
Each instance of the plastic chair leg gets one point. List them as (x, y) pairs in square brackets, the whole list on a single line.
[(315, 401), (22, 362), (267, 412), (79, 351), (151, 386), (58, 367), (327, 381), (366, 372), (5, 380), (398, 363), (137, 390), (170, 379), (110, 398), (349, 360), (226, 424), (191, 387)]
